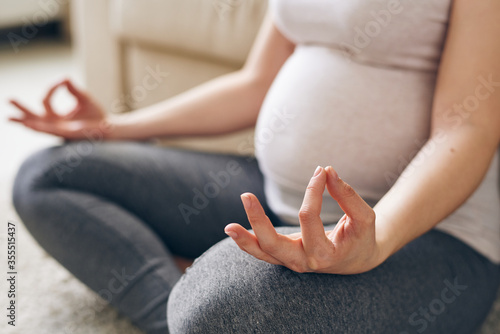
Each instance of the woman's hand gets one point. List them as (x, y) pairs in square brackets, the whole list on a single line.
[(82, 122), (350, 248)]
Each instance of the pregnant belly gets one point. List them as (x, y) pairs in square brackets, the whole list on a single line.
[(323, 109)]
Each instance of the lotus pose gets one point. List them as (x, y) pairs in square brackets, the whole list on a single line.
[(372, 205)]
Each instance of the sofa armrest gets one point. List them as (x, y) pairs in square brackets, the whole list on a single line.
[(97, 49)]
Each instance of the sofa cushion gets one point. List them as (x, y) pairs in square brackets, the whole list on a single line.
[(218, 29), (176, 74)]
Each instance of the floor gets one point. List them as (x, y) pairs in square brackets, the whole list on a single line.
[(24, 76), (50, 300)]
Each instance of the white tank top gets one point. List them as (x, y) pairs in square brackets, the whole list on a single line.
[(357, 94)]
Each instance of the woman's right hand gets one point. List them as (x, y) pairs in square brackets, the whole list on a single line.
[(86, 120)]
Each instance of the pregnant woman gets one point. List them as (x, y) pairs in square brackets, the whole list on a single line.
[(401, 99)]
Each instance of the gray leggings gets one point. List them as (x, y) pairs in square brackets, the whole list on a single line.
[(114, 214)]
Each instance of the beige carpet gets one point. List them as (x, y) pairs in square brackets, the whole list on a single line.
[(49, 299)]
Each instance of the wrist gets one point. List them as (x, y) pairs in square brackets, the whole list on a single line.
[(116, 127), (385, 244)]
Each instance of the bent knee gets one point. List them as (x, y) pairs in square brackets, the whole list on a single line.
[(228, 291), (34, 174)]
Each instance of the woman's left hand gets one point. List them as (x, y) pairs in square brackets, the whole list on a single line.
[(350, 248)]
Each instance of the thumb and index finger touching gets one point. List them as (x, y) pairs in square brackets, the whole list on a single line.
[(348, 199), (78, 94)]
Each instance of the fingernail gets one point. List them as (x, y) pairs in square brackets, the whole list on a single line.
[(332, 172), (317, 171), (247, 202), (232, 234)]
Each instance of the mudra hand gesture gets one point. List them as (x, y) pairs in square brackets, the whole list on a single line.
[(86, 117), (349, 248)]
